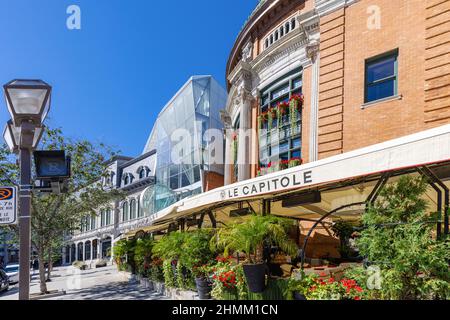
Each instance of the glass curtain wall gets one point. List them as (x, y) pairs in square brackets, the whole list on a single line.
[(195, 109)]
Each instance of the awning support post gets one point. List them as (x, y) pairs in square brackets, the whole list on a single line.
[(435, 183), (200, 222), (213, 219)]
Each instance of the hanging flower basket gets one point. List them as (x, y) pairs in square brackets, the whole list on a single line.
[(297, 102), (263, 119), (284, 164), (283, 108), (295, 162), (273, 114)]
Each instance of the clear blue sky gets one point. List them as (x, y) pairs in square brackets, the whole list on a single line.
[(111, 78)]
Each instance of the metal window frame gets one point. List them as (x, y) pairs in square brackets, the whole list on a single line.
[(390, 54)]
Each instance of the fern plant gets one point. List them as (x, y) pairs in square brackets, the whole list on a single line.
[(249, 237)]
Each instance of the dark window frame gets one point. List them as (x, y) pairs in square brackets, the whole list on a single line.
[(377, 59)]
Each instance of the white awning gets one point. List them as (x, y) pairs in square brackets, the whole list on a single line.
[(424, 148)]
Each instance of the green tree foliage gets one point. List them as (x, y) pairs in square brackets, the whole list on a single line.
[(52, 214), (399, 240), (249, 237)]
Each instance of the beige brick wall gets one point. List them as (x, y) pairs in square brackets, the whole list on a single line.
[(331, 84), (420, 30), (437, 62)]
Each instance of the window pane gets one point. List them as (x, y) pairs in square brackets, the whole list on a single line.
[(284, 147), (381, 90), (296, 143), (280, 91), (296, 154), (381, 69), (174, 182), (284, 156)]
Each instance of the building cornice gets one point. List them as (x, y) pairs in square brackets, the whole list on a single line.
[(324, 7)]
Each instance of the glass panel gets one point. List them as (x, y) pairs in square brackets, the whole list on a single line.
[(28, 101), (297, 83), (174, 182), (381, 69), (296, 143), (381, 90), (280, 91), (284, 156), (296, 154), (284, 147)]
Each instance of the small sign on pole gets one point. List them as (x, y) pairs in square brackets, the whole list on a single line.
[(8, 205)]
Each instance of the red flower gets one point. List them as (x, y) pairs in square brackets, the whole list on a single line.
[(357, 298)]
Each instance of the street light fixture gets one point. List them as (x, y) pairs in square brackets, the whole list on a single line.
[(28, 102), (12, 136)]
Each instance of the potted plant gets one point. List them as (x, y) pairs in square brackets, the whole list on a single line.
[(298, 286), (197, 256), (249, 237)]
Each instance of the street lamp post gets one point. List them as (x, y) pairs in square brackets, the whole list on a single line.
[(28, 102)]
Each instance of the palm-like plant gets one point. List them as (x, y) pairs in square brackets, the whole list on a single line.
[(249, 237)]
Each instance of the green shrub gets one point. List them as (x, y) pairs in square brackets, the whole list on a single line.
[(80, 265), (398, 239)]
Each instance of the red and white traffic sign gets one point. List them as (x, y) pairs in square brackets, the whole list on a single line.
[(8, 205)]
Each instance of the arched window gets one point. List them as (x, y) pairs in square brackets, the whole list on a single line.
[(133, 210), (267, 43), (126, 180), (142, 173), (281, 31), (293, 24), (108, 217), (140, 213), (125, 211), (102, 218), (93, 222), (287, 26)]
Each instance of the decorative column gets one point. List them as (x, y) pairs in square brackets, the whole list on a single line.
[(245, 135), (312, 51), (83, 251), (228, 159), (92, 251)]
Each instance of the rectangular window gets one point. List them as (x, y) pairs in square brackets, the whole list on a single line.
[(381, 77)]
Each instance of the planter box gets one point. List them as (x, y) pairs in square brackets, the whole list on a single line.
[(173, 293)]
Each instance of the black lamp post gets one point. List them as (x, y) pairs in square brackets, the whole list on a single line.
[(28, 102)]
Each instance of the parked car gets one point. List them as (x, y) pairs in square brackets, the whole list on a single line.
[(4, 281), (12, 271)]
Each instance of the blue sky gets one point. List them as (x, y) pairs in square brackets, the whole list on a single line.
[(111, 78)]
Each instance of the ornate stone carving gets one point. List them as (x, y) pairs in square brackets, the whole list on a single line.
[(312, 50), (226, 119), (247, 52)]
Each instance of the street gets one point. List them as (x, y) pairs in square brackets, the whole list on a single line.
[(95, 284)]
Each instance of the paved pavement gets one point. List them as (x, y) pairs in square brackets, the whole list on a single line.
[(94, 284)]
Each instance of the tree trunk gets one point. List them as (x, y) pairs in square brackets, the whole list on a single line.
[(50, 263), (41, 259)]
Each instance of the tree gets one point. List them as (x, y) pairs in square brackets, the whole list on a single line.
[(398, 238), (55, 214)]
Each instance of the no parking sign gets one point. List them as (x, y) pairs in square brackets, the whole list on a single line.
[(8, 205)]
